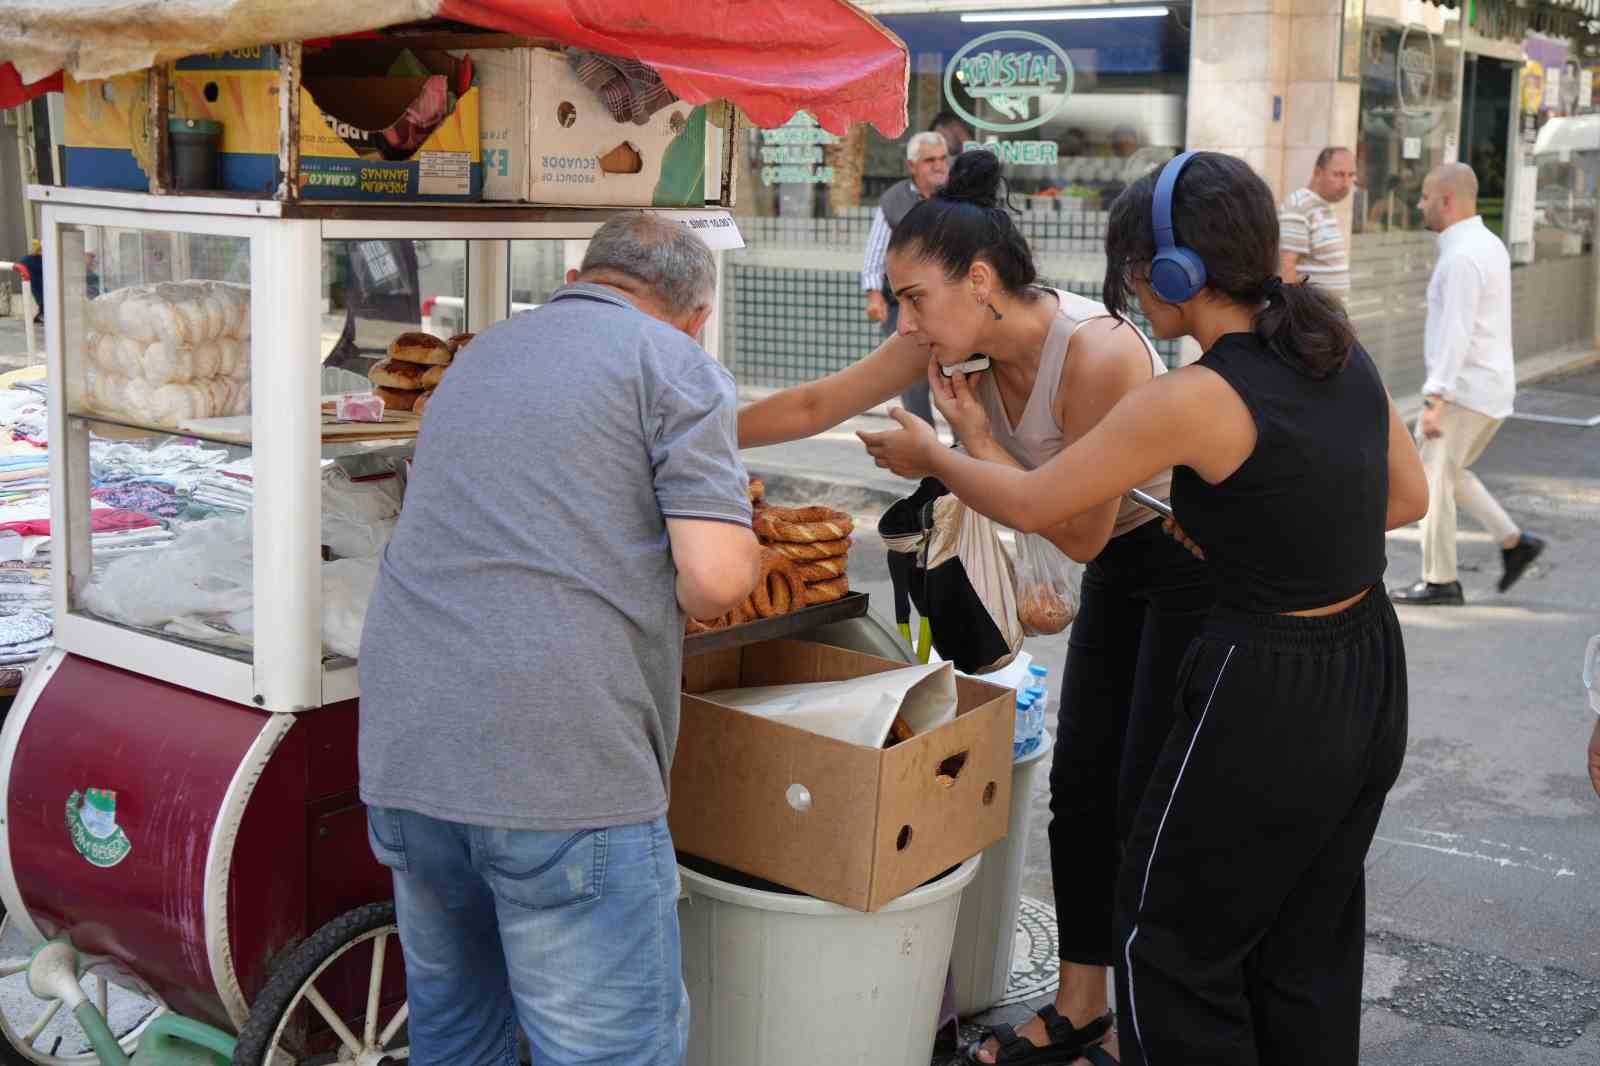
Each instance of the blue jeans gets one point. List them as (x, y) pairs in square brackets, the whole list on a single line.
[(573, 933)]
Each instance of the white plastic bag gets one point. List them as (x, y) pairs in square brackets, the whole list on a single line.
[(347, 586), (1047, 586), (358, 517), (206, 571), (859, 710)]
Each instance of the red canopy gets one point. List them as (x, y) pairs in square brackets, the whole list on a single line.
[(770, 57)]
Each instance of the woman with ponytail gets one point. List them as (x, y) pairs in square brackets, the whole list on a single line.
[(1240, 906), (1059, 362)]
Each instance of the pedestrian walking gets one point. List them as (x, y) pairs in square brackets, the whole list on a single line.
[(1311, 246), (1241, 915), (1470, 388), (576, 489), (1061, 362), (928, 159)]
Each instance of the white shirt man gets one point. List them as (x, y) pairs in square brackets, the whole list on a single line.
[(1310, 243), (1470, 388)]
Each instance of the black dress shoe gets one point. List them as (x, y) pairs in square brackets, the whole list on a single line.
[(1517, 558), (1428, 594)]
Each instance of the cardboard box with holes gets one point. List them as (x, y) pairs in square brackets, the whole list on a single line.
[(549, 139), (374, 125), (847, 822)]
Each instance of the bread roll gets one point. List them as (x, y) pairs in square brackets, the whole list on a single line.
[(422, 348), (219, 394), (130, 357), (394, 374), (398, 399), (459, 341), (433, 377), (235, 361), (422, 403), (241, 398), (134, 320), (172, 404), (165, 363), (137, 399), (207, 360)]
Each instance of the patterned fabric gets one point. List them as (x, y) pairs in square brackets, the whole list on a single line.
[(1309, 228), (144, 497), (629, 89)]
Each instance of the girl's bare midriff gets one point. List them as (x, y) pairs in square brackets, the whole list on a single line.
[(1342, 605)]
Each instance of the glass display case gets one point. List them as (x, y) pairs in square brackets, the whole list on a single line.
[(213, 523)]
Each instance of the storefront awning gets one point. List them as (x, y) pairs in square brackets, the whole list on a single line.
[(771, 59)]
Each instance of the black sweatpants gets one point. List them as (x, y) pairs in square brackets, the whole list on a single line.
[(1241, 909), (1143, 602)]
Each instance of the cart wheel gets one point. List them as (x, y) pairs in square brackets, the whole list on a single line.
[(339, 997), (38, 1032)]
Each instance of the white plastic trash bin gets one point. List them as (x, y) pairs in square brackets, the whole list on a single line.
[(986, 931), (781, 979)]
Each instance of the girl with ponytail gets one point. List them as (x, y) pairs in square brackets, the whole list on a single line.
[(1239, 905), (1059, 362)]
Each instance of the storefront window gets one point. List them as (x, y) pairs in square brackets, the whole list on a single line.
[(1078, 103), (1409, 103), (1561, 151)]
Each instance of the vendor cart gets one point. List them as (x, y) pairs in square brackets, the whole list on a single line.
[(180, 803)]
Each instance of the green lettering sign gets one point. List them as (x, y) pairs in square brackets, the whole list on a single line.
[(1024, 76)]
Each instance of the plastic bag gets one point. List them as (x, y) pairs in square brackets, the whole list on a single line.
[(347, 586), (948, 560), (358, 517), (1047, 586), (206, 571)]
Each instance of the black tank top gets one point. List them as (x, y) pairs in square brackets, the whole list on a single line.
[(1301, 523)]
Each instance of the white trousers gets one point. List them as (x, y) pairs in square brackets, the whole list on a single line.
[(1446, 460)]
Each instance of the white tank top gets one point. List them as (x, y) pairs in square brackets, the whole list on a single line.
[(1036, 437)]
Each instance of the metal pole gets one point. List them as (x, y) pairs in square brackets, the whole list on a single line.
[(28, 310)]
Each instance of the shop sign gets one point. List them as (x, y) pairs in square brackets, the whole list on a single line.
[(1024, 76), (1414, 72), (92, 824), (793, 152), (1028, 153)]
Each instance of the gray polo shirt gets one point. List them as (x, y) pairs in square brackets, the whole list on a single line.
[(522, 657)]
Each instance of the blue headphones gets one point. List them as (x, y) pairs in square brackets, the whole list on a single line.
[(1176, 272)]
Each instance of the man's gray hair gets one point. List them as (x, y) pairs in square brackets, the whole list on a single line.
[(923, 140), (662, 255)]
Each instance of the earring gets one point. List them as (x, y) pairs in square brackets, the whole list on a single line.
[(993, 311)]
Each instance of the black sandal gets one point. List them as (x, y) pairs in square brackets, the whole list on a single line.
[(1066, 1042), (1099, 1056)]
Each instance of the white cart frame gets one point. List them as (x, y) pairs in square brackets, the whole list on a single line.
[(287, 671)]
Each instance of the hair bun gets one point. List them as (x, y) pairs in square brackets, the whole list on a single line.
[(974, 179)]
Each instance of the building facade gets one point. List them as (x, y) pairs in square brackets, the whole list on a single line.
[(1081, 99)]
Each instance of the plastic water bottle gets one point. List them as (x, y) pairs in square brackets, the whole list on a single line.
[(1039, 677), (1019, 730), (1036, 712)]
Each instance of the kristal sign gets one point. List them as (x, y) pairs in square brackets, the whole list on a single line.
[(1014, 81)]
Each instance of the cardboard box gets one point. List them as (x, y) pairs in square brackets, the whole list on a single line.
[(105, 140), (865, 825), (548, 139), (240, 90)]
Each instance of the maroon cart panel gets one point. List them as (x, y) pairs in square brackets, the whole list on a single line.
[(169, 754)]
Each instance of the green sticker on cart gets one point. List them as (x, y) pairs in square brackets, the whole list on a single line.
[(92, 821)]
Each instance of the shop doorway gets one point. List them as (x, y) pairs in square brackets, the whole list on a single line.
[(1486, 132)]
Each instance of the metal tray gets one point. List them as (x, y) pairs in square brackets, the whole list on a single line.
[(793, 624)]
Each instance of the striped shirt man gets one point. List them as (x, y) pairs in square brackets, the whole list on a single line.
[(1308, 229)]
